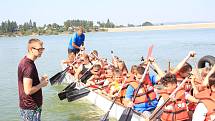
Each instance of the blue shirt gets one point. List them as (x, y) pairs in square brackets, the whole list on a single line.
[(78, 40), (141, 107), (153, 79)]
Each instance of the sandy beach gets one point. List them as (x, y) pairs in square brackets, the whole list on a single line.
[(165, 27)]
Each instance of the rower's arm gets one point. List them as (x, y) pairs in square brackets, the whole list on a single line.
[(78, 72), (75, 46), (159, 71), (128, 96), (195, 89), (180, 65), (191, 98)]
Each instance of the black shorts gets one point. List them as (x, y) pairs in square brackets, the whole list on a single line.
[(73, 51)]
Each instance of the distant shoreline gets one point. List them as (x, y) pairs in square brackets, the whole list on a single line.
[(164, 27)]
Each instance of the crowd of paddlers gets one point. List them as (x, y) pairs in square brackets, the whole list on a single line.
[(193, 100)]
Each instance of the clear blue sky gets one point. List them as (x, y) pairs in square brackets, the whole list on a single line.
[(118, 11)]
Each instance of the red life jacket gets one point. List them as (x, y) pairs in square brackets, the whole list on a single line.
[(146, 92), (174, 110), (208, 98), (97, 81)]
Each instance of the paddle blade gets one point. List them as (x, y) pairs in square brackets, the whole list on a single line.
[(53, 79), (69, 88), (126, 115), (57, 78), (77, 94), (150, 51), (105, 117), (61, 78)]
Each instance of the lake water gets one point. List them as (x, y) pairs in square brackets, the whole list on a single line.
[(171, 45)]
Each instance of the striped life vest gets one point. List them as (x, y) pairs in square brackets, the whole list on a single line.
[(146, 92), (208, 99), (174, 110)]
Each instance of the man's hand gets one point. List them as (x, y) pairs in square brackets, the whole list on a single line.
[(82, 48), (44, 81)]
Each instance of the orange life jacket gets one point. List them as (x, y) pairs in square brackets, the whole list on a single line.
[(208, 98), (127, 81), (174, 110), (146, 92)]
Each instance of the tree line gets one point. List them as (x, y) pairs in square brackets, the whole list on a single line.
[(28, 28)]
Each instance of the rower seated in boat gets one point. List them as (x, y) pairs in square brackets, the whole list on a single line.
[(96, 77), (175, 109), (116, 84), (205, 110), (145, 100), (85, 65)]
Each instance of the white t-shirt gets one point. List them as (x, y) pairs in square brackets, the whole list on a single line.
[(200, 112)]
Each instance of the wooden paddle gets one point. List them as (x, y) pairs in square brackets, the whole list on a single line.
[(106, 116), (154, 114), (128, 112)]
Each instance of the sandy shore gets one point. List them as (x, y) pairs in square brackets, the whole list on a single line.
[(165, 27)]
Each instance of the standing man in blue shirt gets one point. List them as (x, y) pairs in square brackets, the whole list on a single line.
[(77, 41)]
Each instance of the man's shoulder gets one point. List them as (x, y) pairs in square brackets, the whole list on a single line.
[(25, 62)]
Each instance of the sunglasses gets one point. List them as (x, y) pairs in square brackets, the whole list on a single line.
[(39, 49)]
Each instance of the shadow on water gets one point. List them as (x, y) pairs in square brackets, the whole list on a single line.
[(80, 110)]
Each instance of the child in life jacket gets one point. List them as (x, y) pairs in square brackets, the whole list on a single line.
[(146, 100), (205, 110), (129, 79), (96, 77), (108, 79), (116, 84), (175, 109)]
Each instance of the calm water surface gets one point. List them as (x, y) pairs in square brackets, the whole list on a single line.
[(171, 45)]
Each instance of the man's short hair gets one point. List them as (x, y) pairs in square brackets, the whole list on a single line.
[(33, 40), (80, 28)]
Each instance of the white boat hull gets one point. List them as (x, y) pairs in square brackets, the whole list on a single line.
[(104, 104)]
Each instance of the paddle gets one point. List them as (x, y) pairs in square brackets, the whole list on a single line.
[(150, 51), (70, 87), (58, 78), (105, 117), (113, 57), (142, 59), (79, 93), (170, 96), (128, 112)]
